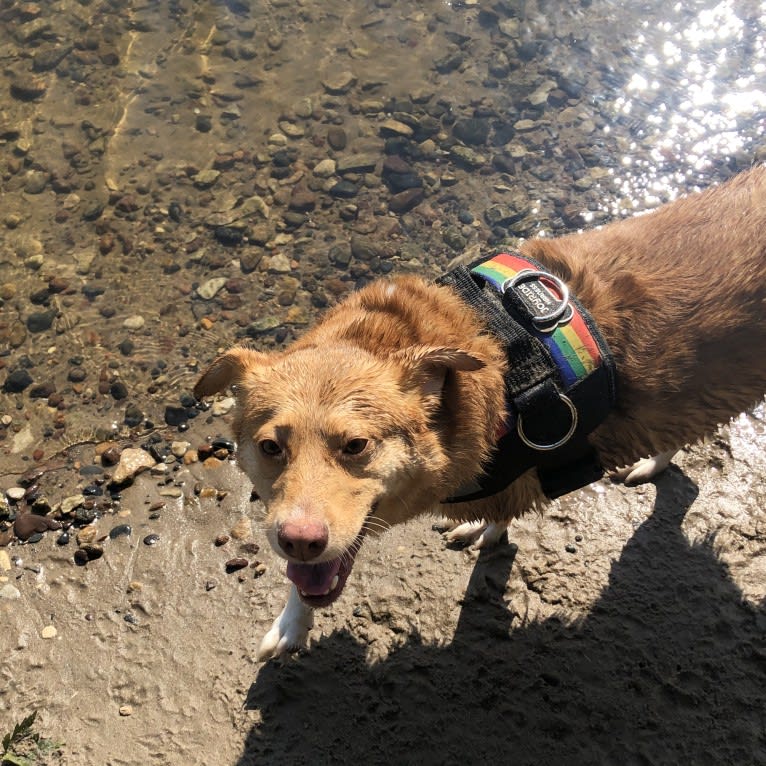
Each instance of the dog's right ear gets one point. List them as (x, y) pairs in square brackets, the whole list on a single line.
[(226, 370), (427, 366)]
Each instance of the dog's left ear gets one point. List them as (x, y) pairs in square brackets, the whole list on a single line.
[(427, 367), (228, 369)]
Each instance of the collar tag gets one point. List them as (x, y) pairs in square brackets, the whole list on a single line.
[(544, 296)]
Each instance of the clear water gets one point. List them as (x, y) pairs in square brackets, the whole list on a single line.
[(113, 114)]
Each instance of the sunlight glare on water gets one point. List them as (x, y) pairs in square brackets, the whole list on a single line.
[(682, 100)]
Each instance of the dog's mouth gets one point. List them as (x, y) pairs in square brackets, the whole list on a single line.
[(320, 584)]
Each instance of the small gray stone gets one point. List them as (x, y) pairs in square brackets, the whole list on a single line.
[(9, 592), (208, 290)]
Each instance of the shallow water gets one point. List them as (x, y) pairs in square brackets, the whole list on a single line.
[(149, 149)]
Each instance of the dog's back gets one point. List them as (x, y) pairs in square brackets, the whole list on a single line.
[(680, 295)]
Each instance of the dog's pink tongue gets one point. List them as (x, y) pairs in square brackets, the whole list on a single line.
[(313, 579)]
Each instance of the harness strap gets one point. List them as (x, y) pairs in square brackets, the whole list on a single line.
[(560, 379)]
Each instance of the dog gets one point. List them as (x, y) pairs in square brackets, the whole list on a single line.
[(393, 403)]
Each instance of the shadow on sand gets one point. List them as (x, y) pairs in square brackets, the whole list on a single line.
[(668, 668)]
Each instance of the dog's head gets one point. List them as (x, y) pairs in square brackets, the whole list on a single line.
[(338, 443)]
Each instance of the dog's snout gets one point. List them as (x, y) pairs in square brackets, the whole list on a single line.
[(303, 540)]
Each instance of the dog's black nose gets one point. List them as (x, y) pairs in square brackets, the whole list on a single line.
[(303, 540)]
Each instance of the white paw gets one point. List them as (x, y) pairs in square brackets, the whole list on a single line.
[(477, 534), (643, 470), (290, 630)]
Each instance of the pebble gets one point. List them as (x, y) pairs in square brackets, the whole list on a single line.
[(242, 529), (152, 539), (206, 178), (179, 448), (17, 381), (209, 289), (325, 168), (125, 710), (9, 592), (15, 493), (135, 322), (336, 138), (280, 263), (338, 83), (132, 462), (49, 631), (234, 565), (5, 561), (223, 406), (120, 530), (88, 552), (29, 524)]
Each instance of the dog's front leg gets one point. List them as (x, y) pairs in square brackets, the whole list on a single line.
[(290, 630), (474, 534)]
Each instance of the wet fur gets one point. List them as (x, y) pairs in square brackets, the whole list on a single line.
[(679, 294)]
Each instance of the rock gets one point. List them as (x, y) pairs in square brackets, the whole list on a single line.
[(338, 83), (406, 200), (9, 593), (395, 128), (17, 381), (151, 539), (209, 289), (280, 263), (467, 157), (344, 190), (242, 529), (325, 168), (28, 524), (176, 416), (472, 130), (336, 137), (87, 534), (223, 406), (48, 632), (121, 530), (135, 322), (234, 565), (28, 88), (15, 493), (39, 321), (88, 553), (133, 415), (357, 163), (302, 199), (132, 462), (110, 456), (206, 178)]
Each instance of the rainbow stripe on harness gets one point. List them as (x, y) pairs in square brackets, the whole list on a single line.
[(570, 344)]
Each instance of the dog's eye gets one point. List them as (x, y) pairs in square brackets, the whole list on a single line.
[(355, 446), (270, 447)]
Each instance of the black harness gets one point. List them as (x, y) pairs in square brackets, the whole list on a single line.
[(560, 381)]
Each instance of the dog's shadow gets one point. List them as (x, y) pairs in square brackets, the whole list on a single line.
[(669, 667)]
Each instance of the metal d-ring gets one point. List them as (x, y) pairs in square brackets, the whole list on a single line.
[(560, 442), (551, 317)]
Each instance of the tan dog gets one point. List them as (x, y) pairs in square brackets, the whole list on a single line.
[(393, 401)]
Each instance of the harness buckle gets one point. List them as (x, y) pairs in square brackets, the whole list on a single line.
[(553, 445), (547, 310)]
